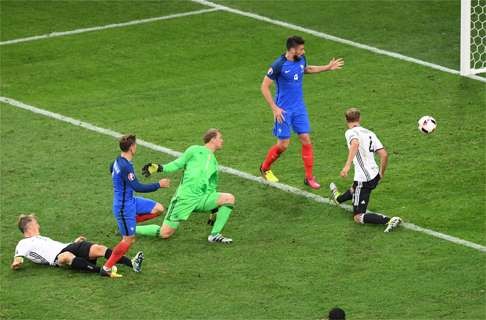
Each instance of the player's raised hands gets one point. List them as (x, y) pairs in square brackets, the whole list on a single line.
[(278, 114), (151, 168), (335, 64), (164, 183)]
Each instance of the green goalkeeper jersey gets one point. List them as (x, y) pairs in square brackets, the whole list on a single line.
[(200, 171)]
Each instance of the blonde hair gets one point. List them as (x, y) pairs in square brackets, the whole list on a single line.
[(210, 134), (24, 219), (352, 115)]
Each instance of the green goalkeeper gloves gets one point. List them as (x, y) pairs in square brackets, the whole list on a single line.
[(151, 168)]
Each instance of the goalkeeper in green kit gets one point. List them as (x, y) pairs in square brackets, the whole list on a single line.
[(196, 191)]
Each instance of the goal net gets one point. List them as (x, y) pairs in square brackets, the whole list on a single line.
[(473, 37)]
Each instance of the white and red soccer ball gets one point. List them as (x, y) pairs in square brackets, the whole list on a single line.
[(427, 124)]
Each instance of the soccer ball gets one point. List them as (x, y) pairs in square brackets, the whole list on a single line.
[(427, 124)]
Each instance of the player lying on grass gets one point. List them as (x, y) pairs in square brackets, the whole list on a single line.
[(288, 106), (197, 191), (128, 209), (79, 255), (363, 144)]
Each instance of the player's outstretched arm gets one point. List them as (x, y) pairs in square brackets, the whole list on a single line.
[(180, 162), (334, 64), (177, 164), (130, 178), (383, 161)]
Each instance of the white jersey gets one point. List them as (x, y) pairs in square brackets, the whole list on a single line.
[(39, 249), (365, 167)]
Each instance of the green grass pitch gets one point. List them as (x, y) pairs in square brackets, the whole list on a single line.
[(169, 81)]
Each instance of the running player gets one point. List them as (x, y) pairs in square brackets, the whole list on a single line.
[(363, 144), (288, 107), (79, 255), (128, 209), (197, 191)]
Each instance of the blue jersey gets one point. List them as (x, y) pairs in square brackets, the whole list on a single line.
[(288, 76), (125, 182)]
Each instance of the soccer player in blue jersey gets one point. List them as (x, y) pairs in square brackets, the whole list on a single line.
[(127, 208), (288, 106)]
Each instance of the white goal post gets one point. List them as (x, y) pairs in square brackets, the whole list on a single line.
[(473, 37)]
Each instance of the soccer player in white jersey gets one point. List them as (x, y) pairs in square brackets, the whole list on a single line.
[(79, 255), (363, 144)]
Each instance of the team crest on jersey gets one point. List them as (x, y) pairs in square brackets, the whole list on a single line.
[(131, 176), (270, 71)]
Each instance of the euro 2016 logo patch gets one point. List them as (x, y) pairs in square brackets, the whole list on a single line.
[(131, 176), (270, 72)]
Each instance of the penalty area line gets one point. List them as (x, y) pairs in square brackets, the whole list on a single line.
[(108, 26), (228, 170)]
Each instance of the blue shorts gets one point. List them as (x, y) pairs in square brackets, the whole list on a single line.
[(296, 120), (126, 216)]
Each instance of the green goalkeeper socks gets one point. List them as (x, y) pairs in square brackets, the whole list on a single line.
[(151, 230), (222, 217)]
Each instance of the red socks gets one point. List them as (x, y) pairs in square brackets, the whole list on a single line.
[(148, 216), (119, 251), (308, 157), (272, 155)]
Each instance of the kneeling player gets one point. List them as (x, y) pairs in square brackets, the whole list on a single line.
[(79, 255), (128, 209), (363, 144), (197, 190)]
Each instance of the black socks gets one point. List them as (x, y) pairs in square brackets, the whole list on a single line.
[(83, 264), (375, 218)]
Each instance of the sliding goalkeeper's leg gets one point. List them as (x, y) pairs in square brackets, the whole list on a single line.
[(224, 203)]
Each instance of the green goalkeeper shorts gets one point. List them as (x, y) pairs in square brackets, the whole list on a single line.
[(181, 208)]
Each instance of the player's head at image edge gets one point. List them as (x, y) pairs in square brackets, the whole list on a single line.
[(336, 314)]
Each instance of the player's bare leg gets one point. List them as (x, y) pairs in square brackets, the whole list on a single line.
[(156, 211), (166, 231), (308, 159), (273, 154)]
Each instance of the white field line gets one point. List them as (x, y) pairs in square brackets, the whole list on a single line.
[(108, 26), (335, 39), (228, 170)]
